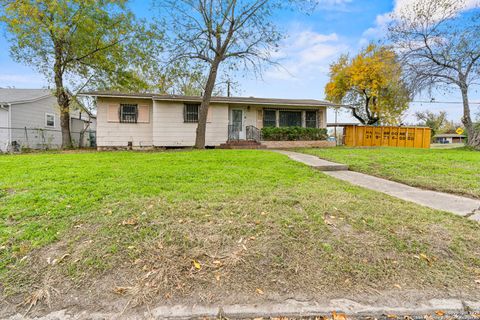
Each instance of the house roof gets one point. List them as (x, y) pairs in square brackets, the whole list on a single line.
[(449, 135), (19, 96), (229, 100), (15, 96)]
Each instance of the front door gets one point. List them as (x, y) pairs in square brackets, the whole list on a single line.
[(238, 124)]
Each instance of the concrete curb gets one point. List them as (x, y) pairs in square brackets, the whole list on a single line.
[(289, 308)]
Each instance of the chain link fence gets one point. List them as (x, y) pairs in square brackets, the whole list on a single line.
[(23, 139)]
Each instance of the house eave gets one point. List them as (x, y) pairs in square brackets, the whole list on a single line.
[(219, 100)]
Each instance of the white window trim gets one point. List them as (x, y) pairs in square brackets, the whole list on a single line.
[(54, 120)]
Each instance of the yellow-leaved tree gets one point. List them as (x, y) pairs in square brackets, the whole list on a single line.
[(372, 84)]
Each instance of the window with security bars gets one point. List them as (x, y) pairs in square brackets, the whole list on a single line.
[(269, 118), (311, 119), (290, 118), (190, 113), (128, 113)]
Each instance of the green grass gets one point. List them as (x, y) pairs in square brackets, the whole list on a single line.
[(83, 224), (448, 170)]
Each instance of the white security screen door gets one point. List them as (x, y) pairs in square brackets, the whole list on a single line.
[(237, 123)]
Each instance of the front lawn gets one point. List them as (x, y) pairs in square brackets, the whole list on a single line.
[(448, 170), (121, 229)]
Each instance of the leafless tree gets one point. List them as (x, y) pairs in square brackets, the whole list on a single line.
[(233, 33), (439, 41)]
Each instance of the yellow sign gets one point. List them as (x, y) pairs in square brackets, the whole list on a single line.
[(460, 131)]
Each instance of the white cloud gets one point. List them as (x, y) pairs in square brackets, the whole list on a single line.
[(381, 22), (305, 54)]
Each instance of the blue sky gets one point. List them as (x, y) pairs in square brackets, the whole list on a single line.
[(313, 42)]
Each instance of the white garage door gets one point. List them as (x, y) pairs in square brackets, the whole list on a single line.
[(3, 130)]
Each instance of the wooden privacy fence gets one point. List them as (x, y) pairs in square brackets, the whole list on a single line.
[(369, 136)]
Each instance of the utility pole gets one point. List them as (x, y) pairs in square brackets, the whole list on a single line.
[(228, 88)]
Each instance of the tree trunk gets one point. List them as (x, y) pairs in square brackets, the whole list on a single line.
[(370, 119), (203, 111), (472, 132), (63, 99)]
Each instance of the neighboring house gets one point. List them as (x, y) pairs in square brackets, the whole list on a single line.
[(30, 118), (151, 120), (449, 138)]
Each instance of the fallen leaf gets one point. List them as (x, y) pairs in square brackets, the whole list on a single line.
[(217, 277), (423, 256), (339, 316), (397, 286), (259, 291), (392, 316), (197, 264), (66, 255), (440, 313), (129, 222), (121, 290)]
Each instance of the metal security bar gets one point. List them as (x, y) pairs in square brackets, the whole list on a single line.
[(128, 113), (233, 133), (253, 133), (190, 113)]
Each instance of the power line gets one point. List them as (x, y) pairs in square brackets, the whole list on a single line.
[(444, 102)]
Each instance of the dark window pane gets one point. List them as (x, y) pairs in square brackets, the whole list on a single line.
[(50, 120), (290, 118), (269, 118), (190, 113), (128, 113), (311, 119)]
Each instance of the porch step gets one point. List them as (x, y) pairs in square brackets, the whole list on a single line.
[(242, 144)]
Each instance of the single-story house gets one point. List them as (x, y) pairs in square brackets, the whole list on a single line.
[(449, 138), (147, 120), (30, 118)]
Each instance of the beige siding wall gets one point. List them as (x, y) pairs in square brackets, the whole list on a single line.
[(112, 133), (170, 130)]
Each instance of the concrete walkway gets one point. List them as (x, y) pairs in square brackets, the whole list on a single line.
[(314, 162), (462, 206)]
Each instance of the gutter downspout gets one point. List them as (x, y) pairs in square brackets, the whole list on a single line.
[(10, 124)]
